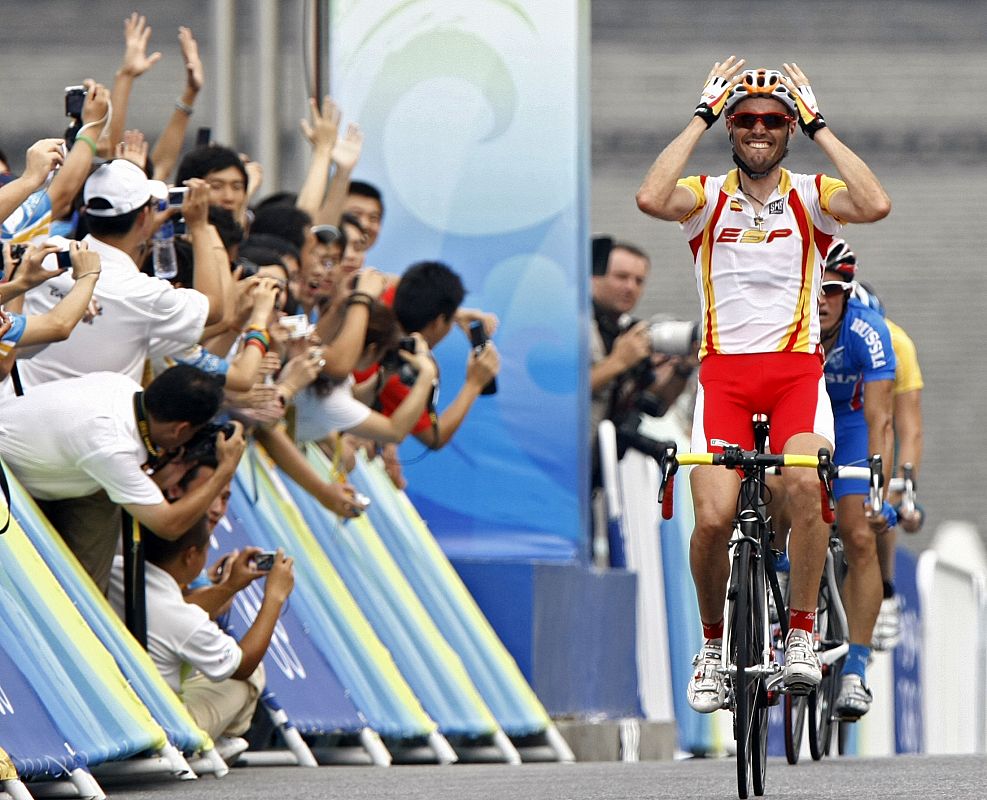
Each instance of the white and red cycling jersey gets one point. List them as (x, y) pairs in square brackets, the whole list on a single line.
[(758, 273)]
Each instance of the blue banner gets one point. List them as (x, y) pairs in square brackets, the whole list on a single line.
[(476, 131), (908, 726)]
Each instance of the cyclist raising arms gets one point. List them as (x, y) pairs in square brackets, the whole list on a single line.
[(860, 372), (758, 235)]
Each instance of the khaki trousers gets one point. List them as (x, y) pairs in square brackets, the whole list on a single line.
[(223, 708)]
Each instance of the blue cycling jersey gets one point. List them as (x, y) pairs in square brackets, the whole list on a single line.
[(862, 353)]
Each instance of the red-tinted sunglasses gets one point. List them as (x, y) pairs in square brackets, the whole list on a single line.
[(772, 120), (834, 288)]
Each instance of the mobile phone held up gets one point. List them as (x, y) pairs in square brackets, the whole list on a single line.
[(478, 339)]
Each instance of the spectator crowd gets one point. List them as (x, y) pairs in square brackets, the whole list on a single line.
[(160, 310)]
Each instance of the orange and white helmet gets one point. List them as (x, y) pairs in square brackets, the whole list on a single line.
[(761, 83)]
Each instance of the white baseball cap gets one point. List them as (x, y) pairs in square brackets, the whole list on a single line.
[(123, 185)]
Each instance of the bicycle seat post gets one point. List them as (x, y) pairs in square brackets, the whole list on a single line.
[(760, 432)]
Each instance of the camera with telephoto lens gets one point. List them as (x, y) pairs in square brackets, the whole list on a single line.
[(392, 362), (672, 337), (202, 446)]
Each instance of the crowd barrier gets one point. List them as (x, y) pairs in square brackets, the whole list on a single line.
[(491, 667), (93, 696), (339, 628)]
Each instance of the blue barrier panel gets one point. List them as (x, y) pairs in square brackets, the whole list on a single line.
[(431, 667), (94, 704), (133, 661), (302, 681), (27, 731), (94, 735), (570, 629), (337, 626), (494, 92), (496, 675), (909, 729)]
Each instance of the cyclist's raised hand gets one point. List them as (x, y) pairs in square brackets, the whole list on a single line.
[(718, 84), (810, 120)]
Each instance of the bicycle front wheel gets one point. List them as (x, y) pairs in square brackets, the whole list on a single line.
[(746, 647)]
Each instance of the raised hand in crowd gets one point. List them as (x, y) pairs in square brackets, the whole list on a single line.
[(133, 147), (422, 359), (136, 61), (195, 206), (246, 368), (211, 273), (229, 450), (43, 156), (259, 405), (26, 272), (345, 154), (482, 367), (136, 35), (299, 372), (69, 179), (169, 144), (347, 150), (281, 578), (464, 316), (194, 74), (255, 177), (321, 134)]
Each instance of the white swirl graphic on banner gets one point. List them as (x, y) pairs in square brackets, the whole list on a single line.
[(471, 81)]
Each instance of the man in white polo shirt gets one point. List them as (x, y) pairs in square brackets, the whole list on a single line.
[(85, 447), (135, 310)]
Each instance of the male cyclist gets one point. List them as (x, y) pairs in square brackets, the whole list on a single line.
[(907, 417), (860, 371), (758, 235)]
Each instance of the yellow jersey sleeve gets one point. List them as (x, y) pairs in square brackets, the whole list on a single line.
[(908, 374), (827, 188), (695, 185)]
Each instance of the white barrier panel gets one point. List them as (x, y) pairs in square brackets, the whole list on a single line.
[(639, 483), (955, 642), (631, 487)]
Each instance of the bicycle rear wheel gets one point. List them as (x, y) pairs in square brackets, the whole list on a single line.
[(746, 646), (796, 707)]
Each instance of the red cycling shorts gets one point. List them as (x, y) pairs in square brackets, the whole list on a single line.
[(788, 387)]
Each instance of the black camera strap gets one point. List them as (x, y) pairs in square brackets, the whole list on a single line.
[(155, 454)]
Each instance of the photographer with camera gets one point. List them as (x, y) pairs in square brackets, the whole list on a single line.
[(636, 365), (228, 676), (86, 447)]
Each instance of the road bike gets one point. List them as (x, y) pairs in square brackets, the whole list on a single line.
[(752, 673)]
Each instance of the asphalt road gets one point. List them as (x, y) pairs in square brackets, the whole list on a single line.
[(954, 777)]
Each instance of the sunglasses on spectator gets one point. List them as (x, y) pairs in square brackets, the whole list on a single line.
[(772, 120), (834, 288)]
